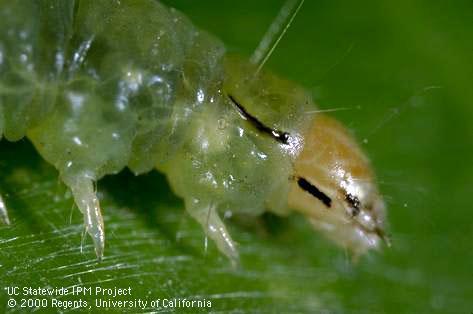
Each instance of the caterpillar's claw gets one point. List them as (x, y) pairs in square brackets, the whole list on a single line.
[(207, 216), (88, 203), (3, 212)]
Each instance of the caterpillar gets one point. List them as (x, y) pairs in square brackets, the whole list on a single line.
[(98, 86)]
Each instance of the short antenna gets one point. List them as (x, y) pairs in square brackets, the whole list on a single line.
[(278, 28)]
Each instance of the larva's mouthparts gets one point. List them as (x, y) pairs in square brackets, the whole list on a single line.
[(334, 187), (86, 199)]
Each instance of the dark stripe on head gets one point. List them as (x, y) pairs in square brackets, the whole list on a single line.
[(314, 191), (354, 203), (279, 136)]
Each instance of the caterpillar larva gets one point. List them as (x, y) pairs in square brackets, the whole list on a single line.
[(97, 86)]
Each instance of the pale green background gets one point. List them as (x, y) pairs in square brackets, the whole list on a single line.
[(404, 70)]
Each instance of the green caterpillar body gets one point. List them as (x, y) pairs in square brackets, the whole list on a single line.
[(98, 86), (102, 85)]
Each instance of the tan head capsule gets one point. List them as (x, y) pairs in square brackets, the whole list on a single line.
[(334, 187)]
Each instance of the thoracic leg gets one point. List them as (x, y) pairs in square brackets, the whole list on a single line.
[(3, 212), (207, 216), (86, 199)]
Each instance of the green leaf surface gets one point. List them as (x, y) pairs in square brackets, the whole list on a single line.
[(402, 73)]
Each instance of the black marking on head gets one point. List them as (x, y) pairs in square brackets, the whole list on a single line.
[(279, 136), (354, 203), (314, 191)]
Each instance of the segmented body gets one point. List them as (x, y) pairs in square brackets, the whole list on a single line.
[(102, 85)]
